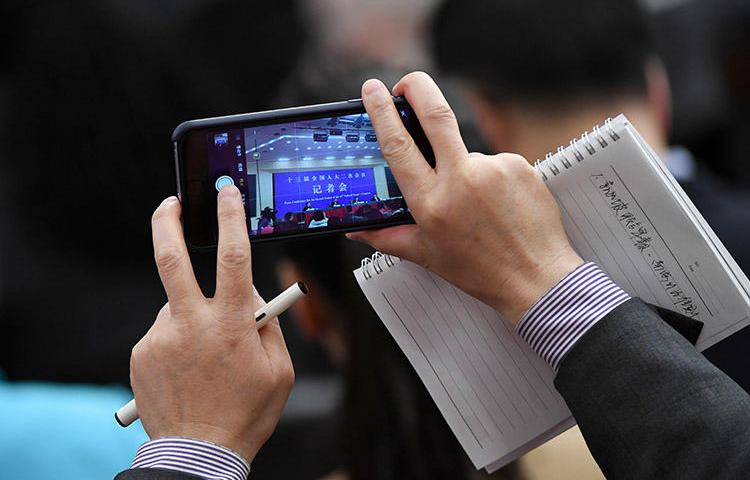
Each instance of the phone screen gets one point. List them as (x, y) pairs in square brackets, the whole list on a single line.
[(308, 176)]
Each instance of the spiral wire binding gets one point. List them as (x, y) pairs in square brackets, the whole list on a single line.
[(578, 147), (378, 268)]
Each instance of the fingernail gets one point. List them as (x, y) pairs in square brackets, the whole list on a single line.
[(229, 191), (168, 200), (371, 86)]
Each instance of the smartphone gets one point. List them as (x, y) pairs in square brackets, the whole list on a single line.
[(301, 171)]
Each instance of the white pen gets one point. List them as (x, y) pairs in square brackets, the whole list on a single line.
[(128, 413)]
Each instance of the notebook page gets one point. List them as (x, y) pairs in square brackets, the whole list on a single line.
[(612, 203), (736, 272), (495, 393)]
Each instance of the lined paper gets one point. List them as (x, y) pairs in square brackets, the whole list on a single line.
[(494, 391), (621, 210)]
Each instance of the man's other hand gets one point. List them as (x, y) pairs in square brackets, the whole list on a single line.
[(203, 370), (487, 224)]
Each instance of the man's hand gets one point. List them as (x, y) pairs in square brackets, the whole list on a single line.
[(487, 224), (203, 370)]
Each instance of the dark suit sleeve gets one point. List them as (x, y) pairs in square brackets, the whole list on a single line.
[(650, 406), (154, 474)]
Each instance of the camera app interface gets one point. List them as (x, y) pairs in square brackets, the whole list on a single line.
[(312, 174)]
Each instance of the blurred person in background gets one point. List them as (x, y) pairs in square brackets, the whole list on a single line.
[(77, 86), (571, 66), (353, 40), (733, 51), (89, 95), (706, 50), (94, 94)]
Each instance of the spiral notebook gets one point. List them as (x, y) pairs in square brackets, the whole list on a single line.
[(623, 210)]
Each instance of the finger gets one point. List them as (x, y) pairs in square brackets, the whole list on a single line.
[(435, 115), (234, 276), (401, 241), (409, 167), (172, 259)]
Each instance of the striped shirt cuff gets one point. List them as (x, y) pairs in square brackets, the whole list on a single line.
[(554, 324), (196, 457)]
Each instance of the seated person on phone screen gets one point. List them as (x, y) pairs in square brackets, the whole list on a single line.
[(318, 219)]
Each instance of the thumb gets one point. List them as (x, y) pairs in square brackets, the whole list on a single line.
[(402, 241)]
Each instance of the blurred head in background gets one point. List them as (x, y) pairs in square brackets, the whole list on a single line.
[(539, 73), (386, 32)]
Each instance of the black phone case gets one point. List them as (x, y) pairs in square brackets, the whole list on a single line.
[(347, 107)]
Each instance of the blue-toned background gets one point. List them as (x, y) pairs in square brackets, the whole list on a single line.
[(64, 431), (292, 190)]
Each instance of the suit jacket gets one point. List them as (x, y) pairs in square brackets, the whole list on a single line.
[(727, 210), (651, 406)]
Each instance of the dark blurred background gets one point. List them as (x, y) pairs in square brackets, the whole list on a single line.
[(90, 92)]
